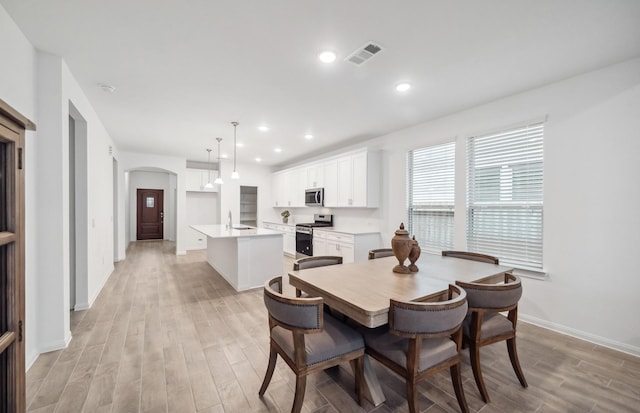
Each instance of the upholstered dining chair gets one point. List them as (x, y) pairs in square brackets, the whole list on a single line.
[(313, 262), (380, 253), (474, 256), (421, 339), (486, 325), (308, 340)]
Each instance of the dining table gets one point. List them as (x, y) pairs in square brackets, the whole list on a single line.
[(362, 290)]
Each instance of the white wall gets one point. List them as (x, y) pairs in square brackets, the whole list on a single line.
[(153, 180), (18, 89)]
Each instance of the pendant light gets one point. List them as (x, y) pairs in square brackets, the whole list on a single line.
[(209, 185), (234, 174), (218, 180)]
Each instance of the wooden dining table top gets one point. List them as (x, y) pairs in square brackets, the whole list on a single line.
[(362, 290)]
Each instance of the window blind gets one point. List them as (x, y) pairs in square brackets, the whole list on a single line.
[(431, 196), (505, 195)]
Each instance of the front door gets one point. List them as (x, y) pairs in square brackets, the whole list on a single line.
[(12, 367), (150, 214)]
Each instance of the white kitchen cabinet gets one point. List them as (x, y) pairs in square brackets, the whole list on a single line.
[(289, 239), (319, 243), (331, 183), (350, 246), (196, 179), (288, 187), (315, 176)]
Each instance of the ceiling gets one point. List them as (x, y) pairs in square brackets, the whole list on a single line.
[(183, 70)]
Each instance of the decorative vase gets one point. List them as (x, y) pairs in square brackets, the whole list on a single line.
[(414, 255), (285, 220), (401, 246)]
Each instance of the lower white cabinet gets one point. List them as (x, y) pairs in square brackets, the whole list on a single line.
[(350, 246), (289, 238)]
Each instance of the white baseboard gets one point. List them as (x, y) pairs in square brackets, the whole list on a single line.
[(98, 290), (181, 252), (81, 306), (592, 338), (30, 359), (56, 345)]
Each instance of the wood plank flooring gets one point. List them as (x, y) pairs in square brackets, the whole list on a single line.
[(168, 334)]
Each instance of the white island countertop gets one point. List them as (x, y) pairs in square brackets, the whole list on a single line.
[(221, 231)]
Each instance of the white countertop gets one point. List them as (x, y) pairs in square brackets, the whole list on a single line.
[(221, 231), (341, 229)]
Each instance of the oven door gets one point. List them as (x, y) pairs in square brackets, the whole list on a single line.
[(304, 242)]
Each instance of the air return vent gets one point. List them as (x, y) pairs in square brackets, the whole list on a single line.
[(364, 53)]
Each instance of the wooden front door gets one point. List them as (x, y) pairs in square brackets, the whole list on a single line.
[(12, 364), (150, 214)]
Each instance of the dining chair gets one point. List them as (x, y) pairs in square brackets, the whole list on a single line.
[(380, 253), (313, 262), (308, 340), (422, 338), (474, 256), (486, 325)]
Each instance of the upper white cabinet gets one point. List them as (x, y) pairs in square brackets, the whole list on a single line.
[(356, 181), (350, 180), (196, 179), (315, 176), (288, 187)]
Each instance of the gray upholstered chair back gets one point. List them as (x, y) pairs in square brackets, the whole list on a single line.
[(318, 261), (494, 296), (380, 253), (473, 256), (292, 313), (429, 318)]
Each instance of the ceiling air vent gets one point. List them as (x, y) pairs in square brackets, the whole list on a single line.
[(363, 54)]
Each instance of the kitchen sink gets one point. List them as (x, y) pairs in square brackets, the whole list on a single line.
[(242, 227)]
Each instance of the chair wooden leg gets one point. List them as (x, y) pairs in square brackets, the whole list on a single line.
[(456, 379), (298, 292), (412, 396), (273, 356), (474, 353), (301, 385), (513, 356), (358, 372)]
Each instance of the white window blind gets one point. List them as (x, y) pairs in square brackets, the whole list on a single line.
[(431, 196), (505, 197)]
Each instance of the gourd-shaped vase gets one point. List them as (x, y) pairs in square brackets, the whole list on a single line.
[(414, 255), (401, 246)]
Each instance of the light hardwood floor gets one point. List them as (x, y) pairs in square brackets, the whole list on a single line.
[(168, 334)]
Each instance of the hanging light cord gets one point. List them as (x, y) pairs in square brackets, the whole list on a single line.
[(209, 164), (235, 146)]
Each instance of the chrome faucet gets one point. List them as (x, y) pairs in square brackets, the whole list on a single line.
[(230, 221)]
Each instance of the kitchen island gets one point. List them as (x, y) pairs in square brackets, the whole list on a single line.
[(244, 256)]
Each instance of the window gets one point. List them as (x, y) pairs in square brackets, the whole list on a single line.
[(504, 195), (431, 196)]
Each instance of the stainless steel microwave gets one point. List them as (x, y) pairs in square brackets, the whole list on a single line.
[(314, 197)]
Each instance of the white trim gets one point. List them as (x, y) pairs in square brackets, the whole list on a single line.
[(583, 335), (81, 306), (30, 360), (56, 345), (95, 295), (532, 274), (181, 252)]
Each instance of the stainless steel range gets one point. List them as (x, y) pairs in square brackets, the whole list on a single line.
[(304, 234)]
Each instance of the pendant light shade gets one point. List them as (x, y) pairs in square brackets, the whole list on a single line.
[(234, 174), (209, 185), (218, 180)]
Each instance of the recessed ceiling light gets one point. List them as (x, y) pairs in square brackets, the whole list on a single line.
[(308, 136), (239, 144), (327, 56), (258, 159), (263, 128), (403, 87), (224, 155), (278, 150)]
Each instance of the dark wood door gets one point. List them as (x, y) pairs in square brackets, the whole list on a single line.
[(150, 214), (12, 362)]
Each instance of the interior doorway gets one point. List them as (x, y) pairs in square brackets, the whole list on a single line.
[(249, 205), (78, 212), (150, 214)]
